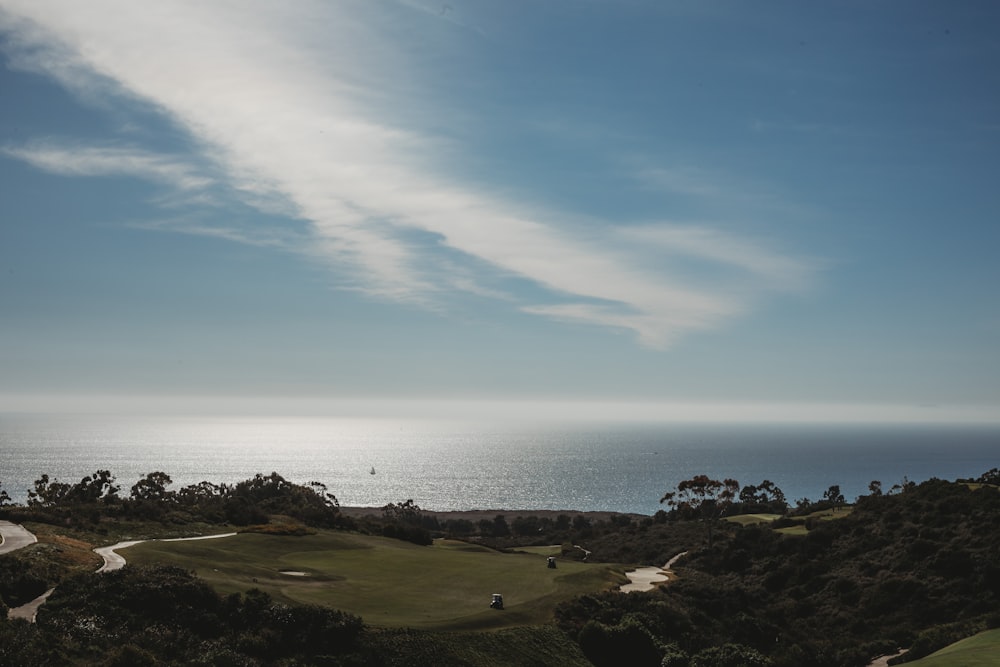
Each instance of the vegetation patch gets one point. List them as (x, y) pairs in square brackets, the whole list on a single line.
[(387, 582), (288, 529), (915, 567), (749, 519), (981, 650)]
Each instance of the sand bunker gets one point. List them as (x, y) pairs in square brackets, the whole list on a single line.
[(644, 578), (293, 573)]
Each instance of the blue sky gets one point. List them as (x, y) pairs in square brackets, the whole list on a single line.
[(633, 203)]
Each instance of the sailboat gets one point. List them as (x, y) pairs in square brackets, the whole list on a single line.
[(372, 471)]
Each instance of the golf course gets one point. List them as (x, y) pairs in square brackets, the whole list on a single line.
[(389, 583)]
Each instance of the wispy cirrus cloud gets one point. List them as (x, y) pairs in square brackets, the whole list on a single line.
[(83, 160), (701, 243), (278, 239), (312, 110)]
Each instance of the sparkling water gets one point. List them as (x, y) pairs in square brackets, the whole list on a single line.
[(456, 465)]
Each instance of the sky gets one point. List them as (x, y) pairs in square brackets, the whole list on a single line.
[(778, 208)]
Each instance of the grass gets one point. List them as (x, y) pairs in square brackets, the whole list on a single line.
[(387, 582), (549, 550), (750, 519), (822, 515), (982, 650), (975, 486)]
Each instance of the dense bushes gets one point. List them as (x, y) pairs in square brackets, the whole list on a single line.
[(96, 497), (920, 567), (171, 614), (19, 583)]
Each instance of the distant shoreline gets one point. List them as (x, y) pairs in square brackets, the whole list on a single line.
[(476, 515)]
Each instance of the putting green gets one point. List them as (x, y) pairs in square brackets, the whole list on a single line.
[(387, 582)]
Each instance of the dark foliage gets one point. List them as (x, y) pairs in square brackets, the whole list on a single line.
[(252, 501), (405, 521), (167, 614), (19, 582), (918, 568)]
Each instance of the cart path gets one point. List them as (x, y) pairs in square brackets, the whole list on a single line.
[(883, 660), (114, 561), (14, 537), (29, 610)]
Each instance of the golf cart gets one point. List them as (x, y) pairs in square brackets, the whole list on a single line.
[(497, 602)]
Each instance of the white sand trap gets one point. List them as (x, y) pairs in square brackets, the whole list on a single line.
[(294, 573), (643, 579)]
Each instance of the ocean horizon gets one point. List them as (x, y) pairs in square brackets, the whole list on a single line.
[(450, 465)]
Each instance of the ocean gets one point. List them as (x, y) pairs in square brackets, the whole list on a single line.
[(457, 465)]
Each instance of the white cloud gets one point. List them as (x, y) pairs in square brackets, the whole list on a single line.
[(80, 160), (303, 107), (759, 263)]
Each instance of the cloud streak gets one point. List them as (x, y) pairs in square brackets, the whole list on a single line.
[(301, 107), (82, 160)]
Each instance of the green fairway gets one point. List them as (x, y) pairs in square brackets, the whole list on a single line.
[(982, 650), (387, 582), (750, 519), (550, 550)]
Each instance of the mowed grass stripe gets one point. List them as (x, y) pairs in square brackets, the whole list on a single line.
[(387, 582)]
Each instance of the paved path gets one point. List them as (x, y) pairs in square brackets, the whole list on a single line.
[(883, 661), (14, 537), (114, 561), (30, 610)]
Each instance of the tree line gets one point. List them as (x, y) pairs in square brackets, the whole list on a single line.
[(916, 566), (250, 501)]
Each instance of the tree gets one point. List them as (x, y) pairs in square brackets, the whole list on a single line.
[(730, 655), (500, 527), (152, 487), (4, 498), (526, 525), (702, 497), (47, 493), (991, 476), (99, 487), (875, 487), (406, 512), (902, 487), (772, 494), (834, 496), (765, 495), (320, 489)]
